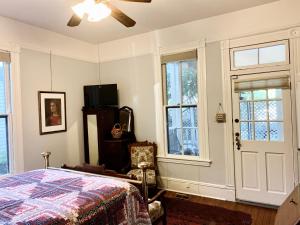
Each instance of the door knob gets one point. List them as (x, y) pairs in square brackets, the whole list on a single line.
[(237, 141)]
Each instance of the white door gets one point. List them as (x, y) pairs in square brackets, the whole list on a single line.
[(262, 139)]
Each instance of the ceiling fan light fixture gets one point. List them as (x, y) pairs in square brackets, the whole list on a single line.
[(79, 9), (98, 12)]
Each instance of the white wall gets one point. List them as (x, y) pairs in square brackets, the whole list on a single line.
[(123, 55), (74, 65), (16, 33), (69, 75), (135, 80)]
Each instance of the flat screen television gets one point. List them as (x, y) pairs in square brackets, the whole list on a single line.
[(100, 95)]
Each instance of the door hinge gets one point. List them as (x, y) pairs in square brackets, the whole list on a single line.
[(234, 77)]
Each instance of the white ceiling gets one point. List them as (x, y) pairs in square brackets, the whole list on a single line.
[(54, 15)]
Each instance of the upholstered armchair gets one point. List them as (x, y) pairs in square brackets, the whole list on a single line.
[(143, 152)]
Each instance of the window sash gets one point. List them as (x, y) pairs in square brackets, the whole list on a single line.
[(180, 105), (8, 112), (259, 46)]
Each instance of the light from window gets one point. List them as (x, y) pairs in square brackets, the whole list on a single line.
[(261, 115), (4, 154), (181, 99), (253, 57)]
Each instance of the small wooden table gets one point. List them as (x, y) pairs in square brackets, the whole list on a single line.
[(289, 212)]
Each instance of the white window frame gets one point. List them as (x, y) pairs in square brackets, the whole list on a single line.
[(14, 110), (257, 46), (163, 155), (8, 113)]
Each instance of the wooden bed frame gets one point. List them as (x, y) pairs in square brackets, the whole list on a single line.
[(101, 171)]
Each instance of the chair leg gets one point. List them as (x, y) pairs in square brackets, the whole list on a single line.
[(164, 220)]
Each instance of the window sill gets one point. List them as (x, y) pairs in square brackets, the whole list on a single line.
[(194, 162)]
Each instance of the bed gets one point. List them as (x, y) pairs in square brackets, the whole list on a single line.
[(56, 196)]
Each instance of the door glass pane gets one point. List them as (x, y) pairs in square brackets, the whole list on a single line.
[(246, 95), (246, 110), (2, 89), (4, 162), (173, 83), (260, 110), (264, 114), (274, 93), (190, 131), (246, 131), (189, 82), (259, 94), (261, 131), (276, 131), (272, 54), (247, 57), (275, 110), (174, 130)]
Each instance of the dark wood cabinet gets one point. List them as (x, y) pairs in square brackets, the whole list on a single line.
[(97, 125), (99, 146), (115, 153)]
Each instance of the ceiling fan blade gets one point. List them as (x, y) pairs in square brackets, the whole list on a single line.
[(121, 17), (74, 21), (142, 1)]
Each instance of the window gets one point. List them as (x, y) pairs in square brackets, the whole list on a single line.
[(274, 53), (181, 103), (4, 112)]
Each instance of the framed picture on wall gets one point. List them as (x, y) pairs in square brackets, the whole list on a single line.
[(52, 112)]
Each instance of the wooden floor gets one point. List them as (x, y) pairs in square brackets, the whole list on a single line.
[(260, 215)]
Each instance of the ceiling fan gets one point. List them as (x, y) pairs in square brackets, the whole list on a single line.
[(99, 9)]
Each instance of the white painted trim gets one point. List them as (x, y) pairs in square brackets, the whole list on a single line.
[(227, 102), (184, 161), (202, 111), (295, 98), (61, 53), (183, 47), (38, 39), (203, 189), (17, 129)]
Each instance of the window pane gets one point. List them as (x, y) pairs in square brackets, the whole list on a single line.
[(2, 89), (275, 110), (276, 131), (261, 131), (174, 131), (4, 168), (246, 110), (259, 94), (260, 110), (173, 84), (274, 93), (247, 57), (189, 82), (190, 131), (272, 54), (246, 131)]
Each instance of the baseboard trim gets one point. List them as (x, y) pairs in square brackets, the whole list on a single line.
[(209, 190)]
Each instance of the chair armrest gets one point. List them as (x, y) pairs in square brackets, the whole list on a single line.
[(157, 196)]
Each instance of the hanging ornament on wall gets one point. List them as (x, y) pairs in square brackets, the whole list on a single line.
[(220, 115)]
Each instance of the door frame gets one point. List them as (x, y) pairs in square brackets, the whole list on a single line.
[(293, 35)]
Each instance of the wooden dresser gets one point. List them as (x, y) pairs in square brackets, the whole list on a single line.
[(289, 212)]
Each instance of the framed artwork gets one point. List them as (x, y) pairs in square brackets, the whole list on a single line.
[(52, 112)]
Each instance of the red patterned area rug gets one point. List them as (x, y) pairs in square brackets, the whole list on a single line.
[(183, 212)]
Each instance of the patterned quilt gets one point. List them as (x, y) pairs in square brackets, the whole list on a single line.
[(44, 197)]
